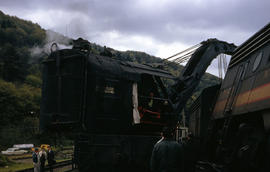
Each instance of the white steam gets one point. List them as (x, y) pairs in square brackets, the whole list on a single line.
[(52, 37)]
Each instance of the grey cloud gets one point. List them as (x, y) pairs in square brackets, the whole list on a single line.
[(183, 21)]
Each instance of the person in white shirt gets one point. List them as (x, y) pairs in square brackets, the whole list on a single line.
[(43, 157)]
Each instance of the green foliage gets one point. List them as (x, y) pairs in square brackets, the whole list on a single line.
[(14, 62), (20, 106), (9, 104), (4, 161), (17, 102), (29, 98), (34, 81), (20, 79), (19, 32), (24, 132), (16, 167), (16, 37)]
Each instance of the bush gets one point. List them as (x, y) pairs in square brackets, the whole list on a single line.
[(4, 161)]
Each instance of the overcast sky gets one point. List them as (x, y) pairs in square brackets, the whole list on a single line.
[(157, 27)]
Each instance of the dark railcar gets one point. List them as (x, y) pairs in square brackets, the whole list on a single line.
[(200, 121), (242, 111), (116, 108), (246, 86), (200, 112)]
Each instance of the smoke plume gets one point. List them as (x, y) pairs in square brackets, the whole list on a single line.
[(51, 37)]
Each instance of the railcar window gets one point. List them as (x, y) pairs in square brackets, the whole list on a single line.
[(244, 71), (109, 90), (257, 61), (107, 87)]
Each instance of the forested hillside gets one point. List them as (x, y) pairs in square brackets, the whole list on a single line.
[(22, 49), (20, 83)]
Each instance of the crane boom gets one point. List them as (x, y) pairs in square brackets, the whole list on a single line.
[(192, 73)]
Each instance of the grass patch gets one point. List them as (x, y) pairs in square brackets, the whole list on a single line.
[(4, 161), (16, 166), (28, 155)]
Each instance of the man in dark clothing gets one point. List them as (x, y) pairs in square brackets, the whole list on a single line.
[(36, 160), (167, 154), (50, 158), (191, 152)]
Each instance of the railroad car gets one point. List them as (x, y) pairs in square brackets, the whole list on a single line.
[(241, 114)]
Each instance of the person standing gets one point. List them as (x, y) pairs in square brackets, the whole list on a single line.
[(191, 152), (43, 157), (167, 155), (50, 158), (36, 160)]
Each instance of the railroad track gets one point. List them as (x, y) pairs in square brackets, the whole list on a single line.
[(55, 166)]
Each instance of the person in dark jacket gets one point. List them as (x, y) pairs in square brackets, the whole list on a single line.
[(36, 160), (191, 153), (50, 158), (167, 153)]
